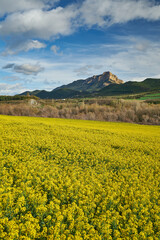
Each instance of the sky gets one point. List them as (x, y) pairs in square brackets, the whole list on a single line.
[(47, 43)]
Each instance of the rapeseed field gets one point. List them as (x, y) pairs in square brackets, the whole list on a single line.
[(73, 179)]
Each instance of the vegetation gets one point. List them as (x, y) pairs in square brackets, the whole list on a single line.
[(16, 97), (79, 89), (102, 109), (151, 96), (61, 93), (72, 179), (148, 85)]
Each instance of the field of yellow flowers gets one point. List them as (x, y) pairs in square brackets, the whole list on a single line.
[(73, 179)]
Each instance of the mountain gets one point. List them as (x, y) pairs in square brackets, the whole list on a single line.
[(78, 88), (94, 83), (106, 84), (148, 85)]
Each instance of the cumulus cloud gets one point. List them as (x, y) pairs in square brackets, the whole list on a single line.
[(37, 23), (15, 47), (27, 69), (40, 19), (10, 6), (108, 12), (33, 44)]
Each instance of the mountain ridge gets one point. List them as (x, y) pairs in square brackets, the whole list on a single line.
[(106, 84), (79, 87), (94, 83)]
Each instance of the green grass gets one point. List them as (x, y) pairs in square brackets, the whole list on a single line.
[(143, 96), (150, 96)]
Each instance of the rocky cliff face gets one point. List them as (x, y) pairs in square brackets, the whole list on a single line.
[(105, 79)]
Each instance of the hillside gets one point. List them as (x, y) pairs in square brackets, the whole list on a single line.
[(148, 85), (55, 93), (59, 94)]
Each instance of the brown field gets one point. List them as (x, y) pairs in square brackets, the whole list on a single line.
[(116, 110)]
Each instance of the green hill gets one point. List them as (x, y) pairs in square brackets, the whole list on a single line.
[(148, 85), (62, 93), (55, 93)]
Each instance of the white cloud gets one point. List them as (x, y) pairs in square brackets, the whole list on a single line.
[(11, 89), (108, 12), (38, 19), (56, 49), (33, 44), (38, 23), (10, 6), (28, 69), (15, 47)]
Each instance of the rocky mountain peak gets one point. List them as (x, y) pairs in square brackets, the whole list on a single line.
[(105, 79)]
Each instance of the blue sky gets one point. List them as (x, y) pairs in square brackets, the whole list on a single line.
[(47, 43)]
